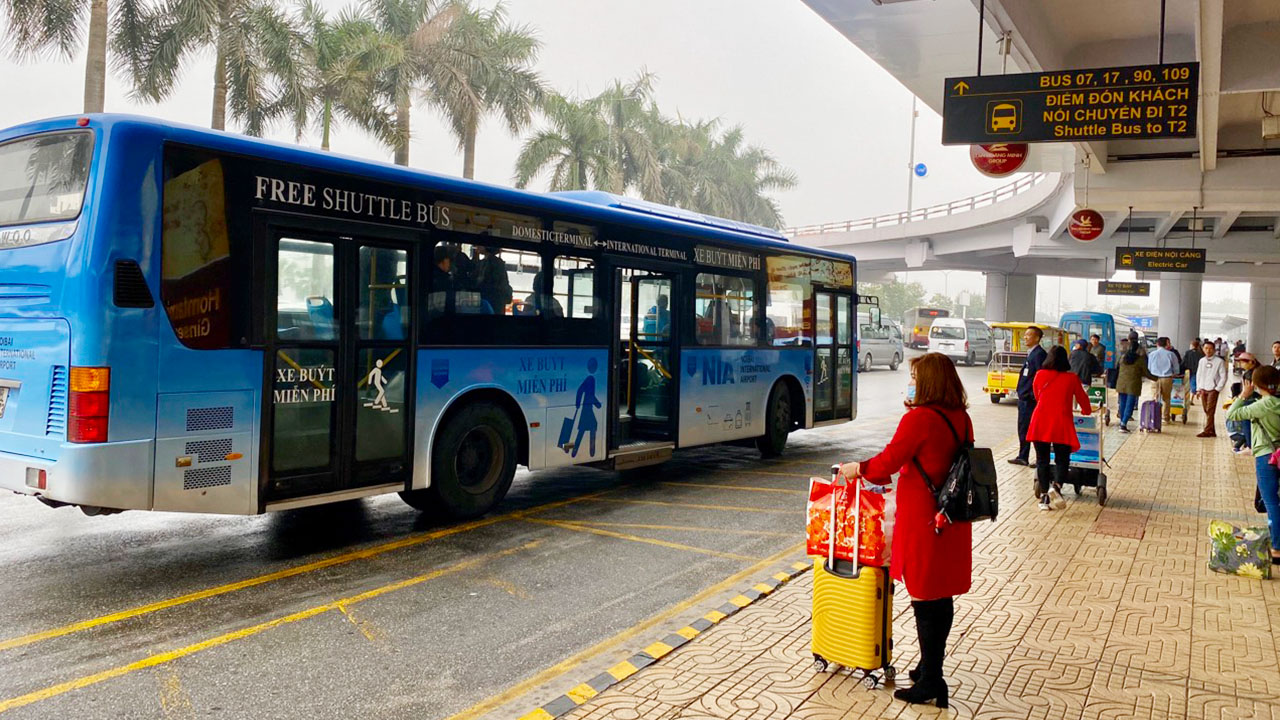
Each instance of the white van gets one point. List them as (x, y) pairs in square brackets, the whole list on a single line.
[(966, 341), (878, 345)]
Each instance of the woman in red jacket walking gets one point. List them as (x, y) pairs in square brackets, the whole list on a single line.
[(1056, 390), (934, 567)]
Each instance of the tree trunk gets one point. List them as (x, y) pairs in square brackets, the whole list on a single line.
[(326, 120), (402, 131), (219, 121), (95, 64), (469, 151)]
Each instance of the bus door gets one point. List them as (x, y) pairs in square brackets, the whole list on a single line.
[(643, 356), (339, 363), (833, 381)]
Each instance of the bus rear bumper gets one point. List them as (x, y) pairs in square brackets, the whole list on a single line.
[(112, 476)]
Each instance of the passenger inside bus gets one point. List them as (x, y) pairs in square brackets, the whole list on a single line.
[(539, 302), (657, 322), (492, 279)]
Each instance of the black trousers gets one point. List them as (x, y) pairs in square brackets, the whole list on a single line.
[(1062, 459), (1025, 408)]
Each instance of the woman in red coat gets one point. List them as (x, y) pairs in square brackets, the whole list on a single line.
[(1056, 390), (933, 566)]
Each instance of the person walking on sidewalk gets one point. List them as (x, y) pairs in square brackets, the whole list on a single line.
[(1275, 353), (1165, 365), (1211, 379), (1264, 415), (1190, 362), (1053, 427), (1026, 393), (933, 567), (1133, 369)]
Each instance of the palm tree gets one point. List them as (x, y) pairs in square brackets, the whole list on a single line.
[(257, 53), (413, 35), (39, 26), (496, 76), (575, 147), (343, 57), (629, 113)]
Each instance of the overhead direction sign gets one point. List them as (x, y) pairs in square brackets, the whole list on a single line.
[(1135, 289), (1086, 225), (1138, 102), (1147, 259)]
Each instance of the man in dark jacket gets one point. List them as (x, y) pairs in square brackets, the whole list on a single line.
[(1026, 397), (1191, 361), (1084, 363)]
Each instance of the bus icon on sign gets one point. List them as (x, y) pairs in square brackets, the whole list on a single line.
[(1004, 116)]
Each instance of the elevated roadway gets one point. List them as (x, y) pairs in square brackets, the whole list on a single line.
[(1219, 191)]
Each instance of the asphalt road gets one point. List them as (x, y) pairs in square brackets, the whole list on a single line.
[(363, 609)]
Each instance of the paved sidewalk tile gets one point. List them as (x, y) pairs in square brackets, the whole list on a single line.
[(1083, 613)]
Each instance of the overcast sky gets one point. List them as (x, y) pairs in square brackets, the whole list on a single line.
[(799, 88)]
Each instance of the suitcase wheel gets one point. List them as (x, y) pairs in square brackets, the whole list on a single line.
[(1077, 488), (1102, 495), (820, 664), (871, 681), (890, 674)]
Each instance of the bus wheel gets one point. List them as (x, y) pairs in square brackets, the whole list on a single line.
[(777, 422), (472, 464), (995, 399)]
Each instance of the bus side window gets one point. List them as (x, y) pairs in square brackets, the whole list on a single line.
[(724, 308), (573, 288)]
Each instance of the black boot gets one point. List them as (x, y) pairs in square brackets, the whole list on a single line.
[(933, 623), (923, 617)]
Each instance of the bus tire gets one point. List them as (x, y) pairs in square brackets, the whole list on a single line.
[(995, 399), (472, 464), (777, 422)]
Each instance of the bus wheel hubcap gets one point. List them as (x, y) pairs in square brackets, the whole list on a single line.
[(479, 461)]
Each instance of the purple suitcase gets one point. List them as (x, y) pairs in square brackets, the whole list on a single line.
[(1149, 420)]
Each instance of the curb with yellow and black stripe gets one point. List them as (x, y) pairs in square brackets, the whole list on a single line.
[(661, 648)]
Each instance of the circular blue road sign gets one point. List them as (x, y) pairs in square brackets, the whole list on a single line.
[(920, 169)]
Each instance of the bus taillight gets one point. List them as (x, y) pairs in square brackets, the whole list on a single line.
[(89, 404)]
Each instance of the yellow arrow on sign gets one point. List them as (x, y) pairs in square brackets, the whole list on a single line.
[(961, 87)]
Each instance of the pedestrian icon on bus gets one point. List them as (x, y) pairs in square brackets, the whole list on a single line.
[(378, 382), (1004, 116)]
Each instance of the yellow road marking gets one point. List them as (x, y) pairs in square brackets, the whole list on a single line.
[(738, 487), (691, 528), (658, 650), (796, 476), (344, 558), (783, 577), (687, 632), (582, 693), (516, 691), (715, 616), (538, 714), (369, 635), (762, 588), (730, 508), (623, 670), (637, 538), (166, 657), (740, 600)]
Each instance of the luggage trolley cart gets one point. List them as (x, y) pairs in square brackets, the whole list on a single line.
[(1087, 462), (1097, 392), (852, 606), (1178, 400)]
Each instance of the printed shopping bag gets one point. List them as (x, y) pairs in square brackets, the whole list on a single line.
[(873, 543), (1239, 551)]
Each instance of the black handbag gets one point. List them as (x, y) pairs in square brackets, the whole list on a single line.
[(969, 492)]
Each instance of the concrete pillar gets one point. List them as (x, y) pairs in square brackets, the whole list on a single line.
[(997, 297), (1264, 319), (1180, 307), (1020, 299)]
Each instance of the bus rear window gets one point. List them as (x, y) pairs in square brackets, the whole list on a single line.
[(43, 178)]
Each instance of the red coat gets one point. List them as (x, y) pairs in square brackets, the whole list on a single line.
[(1052, 421), (932, 566)]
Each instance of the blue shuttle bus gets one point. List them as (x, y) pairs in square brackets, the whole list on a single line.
[(1110, 329), (198, 321)]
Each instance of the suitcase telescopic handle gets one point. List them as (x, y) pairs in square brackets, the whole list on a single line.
[(838, 479)]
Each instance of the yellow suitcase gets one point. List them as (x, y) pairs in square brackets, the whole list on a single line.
[(852, 613)]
